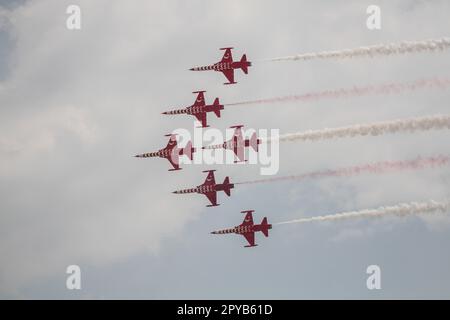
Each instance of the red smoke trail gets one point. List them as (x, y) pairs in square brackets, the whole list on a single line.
[(383, 89), (374, 168)]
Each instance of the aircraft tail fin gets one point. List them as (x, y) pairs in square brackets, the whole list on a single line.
[(217, 107), (227, 186), (265, 227), (188, 150), (254, 141), (244, 64)]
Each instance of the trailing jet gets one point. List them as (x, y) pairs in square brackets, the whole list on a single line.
[(237, 143), (247, 228), (199, 108), (210, 188), (227, 65), (171, 152)]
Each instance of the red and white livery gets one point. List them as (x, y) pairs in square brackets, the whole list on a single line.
[(227, 65), (247, 228), (210, 188), (171, 152), (237, 143), (199, 109)]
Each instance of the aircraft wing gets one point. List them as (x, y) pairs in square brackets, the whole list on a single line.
[(210, 179), (239, 151), (202, 118), (173, 159), (172, 142), (200, 101), (229, 74), (227, 56), (250, 237), (238, 144), (238, 132), (212, 197), (248, 220)]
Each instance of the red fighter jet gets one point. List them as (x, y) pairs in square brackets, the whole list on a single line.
[(210, 188), (227, 65), (199, 108), (247, 228), (237, 143), (171, 152)]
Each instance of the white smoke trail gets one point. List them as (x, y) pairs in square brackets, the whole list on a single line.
[(376, 50), (374, 129), (373, 168), (383, 89), (400, 210)]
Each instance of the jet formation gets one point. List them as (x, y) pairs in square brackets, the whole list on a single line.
[(199, 109)]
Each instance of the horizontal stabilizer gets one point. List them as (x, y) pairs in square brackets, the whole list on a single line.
[(244, 64), (227, 186), (254, 141), (217, 107), (188, 150), (265, 227)]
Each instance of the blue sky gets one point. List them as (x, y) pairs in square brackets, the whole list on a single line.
[(76, 105)]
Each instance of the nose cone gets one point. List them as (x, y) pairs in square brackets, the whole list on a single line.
[(145, 155), (165, 112), (192, 69)]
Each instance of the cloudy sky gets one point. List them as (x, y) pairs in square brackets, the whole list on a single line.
[(75, 106)]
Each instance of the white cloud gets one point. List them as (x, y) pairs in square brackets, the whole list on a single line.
[(71, 122)]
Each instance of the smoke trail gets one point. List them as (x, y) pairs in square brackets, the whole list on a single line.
[(390, 88), (374, 129), (376, 50), (374, 168), (400, 210)]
